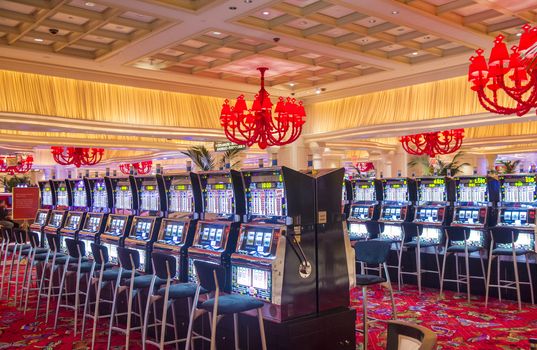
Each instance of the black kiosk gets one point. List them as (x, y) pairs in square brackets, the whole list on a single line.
[(177, 230)]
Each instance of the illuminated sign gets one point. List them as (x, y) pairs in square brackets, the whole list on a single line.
[(180, 187), (124, 188), (267, 185), (219, 187), (150, 188)]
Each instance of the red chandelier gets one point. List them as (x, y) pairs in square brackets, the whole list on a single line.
[(18, 164), (245, 126), (513, 75), (77, 156), (433, 143), (141, 168)]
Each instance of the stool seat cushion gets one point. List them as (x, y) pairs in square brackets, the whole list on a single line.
[(11, 248), (181, 290), (85, 267), (26, 252), (111, 274), (366, 280), (43, 256), (68, 259), (391, 240), (509, 251), (423, 244), (232, 304), (144, 281), (460, 249)]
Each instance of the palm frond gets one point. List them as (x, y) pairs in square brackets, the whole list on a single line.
[(201, 157), (229, 156)]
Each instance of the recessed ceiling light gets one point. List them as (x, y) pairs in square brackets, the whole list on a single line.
[(303, 22), (415, 53), (217, 33), (318, 91), (427, 37), (248, 1), (518, 34), (265, 13), (89, 4), (394, 12), (39, 40), (364, 40), (291, 84), (232, 8), (400, 29), (372, 21)]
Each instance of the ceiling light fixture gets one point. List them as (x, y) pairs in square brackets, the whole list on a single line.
[(372, 21), (89, 4), (318, 91), (248, 1), (519, 34), (232, 8), (394, 12), (265, 13), (217, 33), (39, 40), (415, 53), (291, 84)]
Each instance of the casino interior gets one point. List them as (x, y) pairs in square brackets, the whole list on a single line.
[(268, 174)]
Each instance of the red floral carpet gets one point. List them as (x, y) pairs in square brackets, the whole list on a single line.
[(458, 324)]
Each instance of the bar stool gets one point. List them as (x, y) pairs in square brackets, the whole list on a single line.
[(101, 275), (129, 259), (165, 267), (424, 338), (373, 252), (503, 244), (20, 252), (7, 242), (53, 265), (210, 277), (37, 258), (413, 240), (457, 243), (395, 241), (75, 264)]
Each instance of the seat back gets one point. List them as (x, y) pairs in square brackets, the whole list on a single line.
[(128, 258), (5, 235), (34, 239), (374, 228), (20, 235), (76, 249), (456, 233), (411, 230), (164, 265), (210, 276), (53, 242), (372, 252), (408, 336), (503, 235), (100, 253)]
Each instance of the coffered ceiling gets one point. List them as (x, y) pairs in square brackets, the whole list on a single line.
[(318, 49)]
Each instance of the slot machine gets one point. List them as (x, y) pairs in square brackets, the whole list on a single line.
[(475, 207), (216, 233), (124, 207), (145, 226), (275, 251), (101, 203), (365, 207), (59, 214), (76, 216), (399, 196), (46, 203), (177, 230), (347, 197), (517, 207), (434, 208)]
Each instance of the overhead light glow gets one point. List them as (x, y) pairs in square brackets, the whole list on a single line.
[(291, 84), (89, 4), (39, 40), (394, 12), (265, 13), (217, 33), (415, 53)]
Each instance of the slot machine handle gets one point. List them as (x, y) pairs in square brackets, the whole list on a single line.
[(304, 269)]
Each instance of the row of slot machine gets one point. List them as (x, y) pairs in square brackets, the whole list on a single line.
[(477, 202), (259, 224)]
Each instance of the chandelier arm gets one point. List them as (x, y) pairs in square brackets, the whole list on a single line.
[(490, 106), (517, 91)]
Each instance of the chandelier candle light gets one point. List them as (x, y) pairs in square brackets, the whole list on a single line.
[(513, 75), (141, 168), (18, 164), (433, 143), (77, 156), (245, 126)]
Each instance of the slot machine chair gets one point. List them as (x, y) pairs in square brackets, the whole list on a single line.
[(8, 249), (503, 244), (210, 278), (375, 230), (424, 336), (129, 259), (372, 252), (165, 268), (21, 251), (457, 243), (38, 257), (412, 234)]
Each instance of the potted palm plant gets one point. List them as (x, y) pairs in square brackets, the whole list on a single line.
[(439, 166), (201, 157)]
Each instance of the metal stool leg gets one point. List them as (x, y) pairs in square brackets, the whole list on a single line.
[(236, 330), (389, 285), (483, 268), (364, 306), (262, 329), (41, 285), (457, 271), (96, 313), (517, 281), (487, 281), (498, 265), (528, 270), (112, 312), (418, 266), (61, 291), (13, 257), (437, 263), (446, 255), (400, 258), (467, 263)]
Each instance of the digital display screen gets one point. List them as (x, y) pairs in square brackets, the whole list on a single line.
[(219, 186), (518, 189), (396, 190), (210, 236), (219, 199), (173, 232), (47, 189), (432, 190), (56, 220), (472, 190), (180, 187), (41, 218), (364, 191), (92, 223), (256, 241), (124, 188), (143, 229), (116, 225), (253, 282), (358, 231), (74, 220), (150, 188)]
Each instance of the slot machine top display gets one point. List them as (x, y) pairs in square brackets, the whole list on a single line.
[(182, 197), (265, 195), (435, 190), (151, 195), (518, 200), (125, 196), (79, 194), (48, 194), (399, 194), (219, 189), (62, 194), (366, 191), (100, 200)]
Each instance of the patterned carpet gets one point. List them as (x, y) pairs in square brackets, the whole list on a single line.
[(458, 324)]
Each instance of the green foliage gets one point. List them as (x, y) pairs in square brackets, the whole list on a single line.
[(201, 156), (13, 181), (510, 166), (439, 167), (229, 157)]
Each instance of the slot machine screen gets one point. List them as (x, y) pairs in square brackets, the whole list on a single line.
[(211, 235), (396, 190), (432, 190), (79, 194), (46, 196), (251, 281), (41, 218), (518, 189), (219, 197), (143, 229), (92, 223), (116, 225), (100, 195), (364, 191), (266, 197), (472, 190), (256, 240), (56, 220), (173, 232), (181, 198), (73, 221)]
